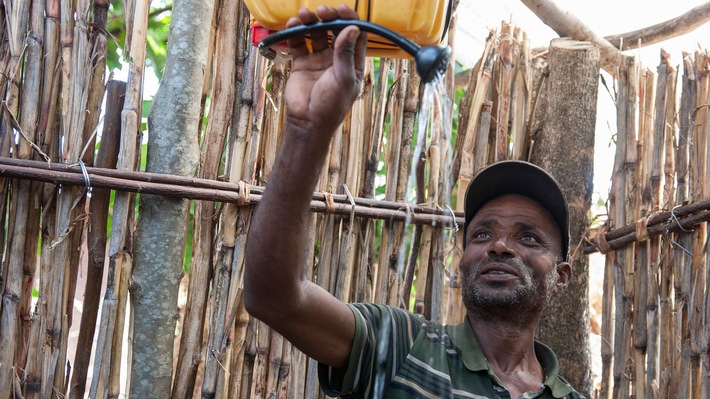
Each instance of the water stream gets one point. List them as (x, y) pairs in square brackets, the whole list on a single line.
[(433, 137), (433, 142)]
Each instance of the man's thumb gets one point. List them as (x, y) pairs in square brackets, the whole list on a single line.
[(345, 46)]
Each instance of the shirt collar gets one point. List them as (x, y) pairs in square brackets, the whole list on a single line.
[(464, 339)]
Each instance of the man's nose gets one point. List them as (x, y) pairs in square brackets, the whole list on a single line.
[(502, 246)]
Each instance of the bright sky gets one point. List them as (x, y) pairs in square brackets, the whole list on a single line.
[(605, 17)]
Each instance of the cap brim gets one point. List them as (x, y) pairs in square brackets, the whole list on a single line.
[(523, 178)]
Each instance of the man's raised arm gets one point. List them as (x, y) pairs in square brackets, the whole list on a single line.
[(321, 88)]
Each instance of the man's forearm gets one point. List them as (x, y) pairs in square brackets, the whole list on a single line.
[(276, 246)]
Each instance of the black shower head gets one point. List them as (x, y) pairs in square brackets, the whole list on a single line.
[(431, 61)]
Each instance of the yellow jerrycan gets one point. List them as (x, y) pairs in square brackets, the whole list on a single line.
[(423, 22)]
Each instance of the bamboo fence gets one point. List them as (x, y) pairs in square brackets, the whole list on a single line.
[(382, 229), (656, 302)]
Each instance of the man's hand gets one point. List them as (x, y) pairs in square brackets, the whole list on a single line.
[(325, 80)]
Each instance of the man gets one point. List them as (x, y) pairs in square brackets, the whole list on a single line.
[(516, 244)]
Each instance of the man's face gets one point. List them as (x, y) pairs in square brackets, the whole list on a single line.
[(511, 255)]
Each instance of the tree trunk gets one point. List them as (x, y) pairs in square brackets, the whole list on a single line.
[(565, 147), (160, 234)]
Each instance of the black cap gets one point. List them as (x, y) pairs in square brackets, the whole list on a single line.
[(523, 178)]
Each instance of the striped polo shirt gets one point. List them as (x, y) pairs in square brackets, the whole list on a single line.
[(397, 354)]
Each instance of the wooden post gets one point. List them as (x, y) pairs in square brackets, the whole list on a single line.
[(570, 119)]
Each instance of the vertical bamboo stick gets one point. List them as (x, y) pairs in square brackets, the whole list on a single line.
[(238, 351), (507, 58), (642, 201), (242, 117), (17, 18), (232, 233), (274, 116), (373, 156), (520, 99), (701, 300), (249, 360), (630, 204), (17, 15), (261, 341), (624, 165), (76, 76), (410, 110), (221, 108), (120, 245), (666, 200), (696, 310), (683, 238), (420, 304), (652, 248), (227, 283), (106, 158), (97, 84), (464, 119), (67, 27), (29, 121), (607, 339), (261, 361), (356, 133), (235, 222), (215, 354), (417, 239), (274, 365), (671, 131), (326, 273), (388, 281), (348, 259), (297, 380), (26, 224), (659, 126), (47, 138), (284, 388), (477, 147), (445, 184), (98, 209), (257, 120), (428, 269)]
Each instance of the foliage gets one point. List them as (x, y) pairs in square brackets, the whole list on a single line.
[(157, 38)]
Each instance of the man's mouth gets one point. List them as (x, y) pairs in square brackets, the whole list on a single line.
[(498, 269)]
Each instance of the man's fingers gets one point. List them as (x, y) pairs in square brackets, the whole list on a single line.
[(343, 59), (346, 12), (326, 13), (297, 44), (360, 50), (307, 16), (353, 43), (319, 40)]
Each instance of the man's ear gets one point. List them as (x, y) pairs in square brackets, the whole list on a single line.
[(564, 276)]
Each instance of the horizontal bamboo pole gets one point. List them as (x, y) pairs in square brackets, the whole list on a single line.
[(682, 223), (211, 190), (203, 189)]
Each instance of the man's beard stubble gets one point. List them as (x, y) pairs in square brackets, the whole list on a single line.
[(531, 294)]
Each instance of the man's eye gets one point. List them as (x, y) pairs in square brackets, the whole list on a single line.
[(481, 234), (529, 238)]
